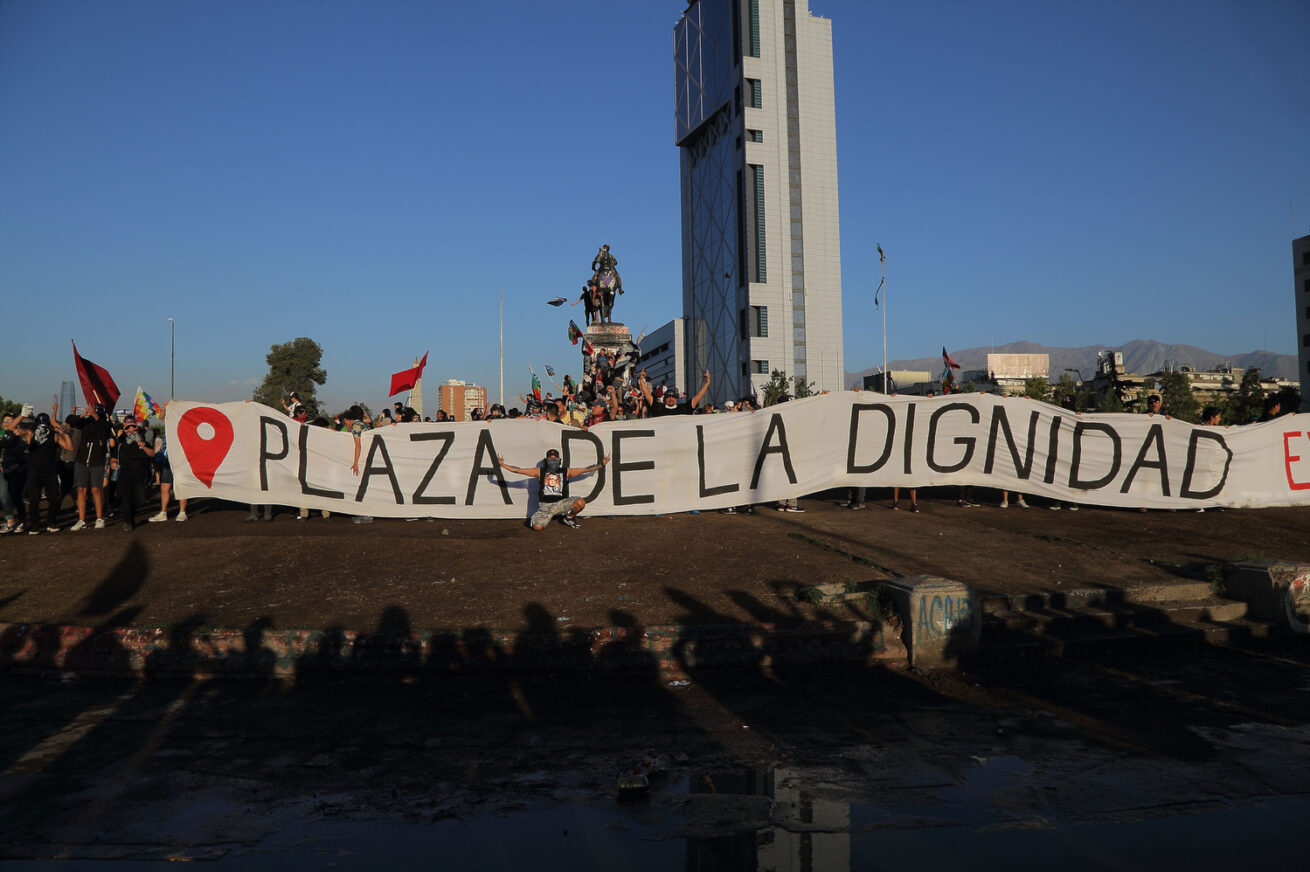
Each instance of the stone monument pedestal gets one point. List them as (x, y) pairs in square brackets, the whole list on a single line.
[(609, 336)]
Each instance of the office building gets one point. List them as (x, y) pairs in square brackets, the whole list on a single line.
[(663, 355), (761, 249)]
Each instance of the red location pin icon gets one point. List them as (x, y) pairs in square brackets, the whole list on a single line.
[(206, 435)]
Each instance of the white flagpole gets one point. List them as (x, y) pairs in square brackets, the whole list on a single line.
[(502, 345), (885, 376)]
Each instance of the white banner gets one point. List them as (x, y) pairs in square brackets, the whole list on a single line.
[(250, 453)]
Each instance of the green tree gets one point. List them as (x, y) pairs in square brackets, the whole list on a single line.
[(9, 407), (1065, 387), (1177, 399), (1247, 403), (1038, 388), (1110, 402), (778, 390), (802, 388), (293, 366)]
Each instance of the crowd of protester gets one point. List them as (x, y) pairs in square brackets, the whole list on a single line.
[(107, 464)]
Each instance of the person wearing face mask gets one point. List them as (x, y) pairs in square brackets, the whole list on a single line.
[(553, 489)]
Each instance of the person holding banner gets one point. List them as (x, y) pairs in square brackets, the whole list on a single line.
[(668, 404), (553, 489), (355, 421)]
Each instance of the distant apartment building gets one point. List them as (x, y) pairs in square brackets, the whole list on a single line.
[(459, 399), (1301, 275), (1009, 373), (761, 250)]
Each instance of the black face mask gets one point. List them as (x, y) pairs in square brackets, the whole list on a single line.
[(554, 465)]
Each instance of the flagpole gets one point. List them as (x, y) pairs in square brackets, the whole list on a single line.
[(172, 353), (502, 345), (883, 258)]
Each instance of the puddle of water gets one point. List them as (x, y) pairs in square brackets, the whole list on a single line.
[(818, 834)]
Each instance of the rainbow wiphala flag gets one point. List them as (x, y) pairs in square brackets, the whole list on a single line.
[(145, 407)]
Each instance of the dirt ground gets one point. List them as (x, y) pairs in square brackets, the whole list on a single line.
[(217, 570)]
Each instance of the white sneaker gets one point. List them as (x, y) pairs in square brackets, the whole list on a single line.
[(1022, 504), (1003, 505), (181, 516), (162, 516), (80, 525), (52, 529), (100, 523)]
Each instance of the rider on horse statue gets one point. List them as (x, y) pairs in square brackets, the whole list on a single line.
[(605, 275)]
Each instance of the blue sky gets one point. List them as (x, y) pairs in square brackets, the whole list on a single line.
[(370, 174)]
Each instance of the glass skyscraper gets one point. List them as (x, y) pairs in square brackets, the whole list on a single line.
[(761, 249)]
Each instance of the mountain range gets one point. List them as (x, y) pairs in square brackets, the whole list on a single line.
[(1141, 356)]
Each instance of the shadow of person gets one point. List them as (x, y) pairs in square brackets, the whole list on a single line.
[(103, 651), (540, 647), (178, 659), (391, 648), (257, 660), (327, 656), (626, 651)]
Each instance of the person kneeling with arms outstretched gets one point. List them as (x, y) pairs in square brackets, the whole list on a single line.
[(553, 489)]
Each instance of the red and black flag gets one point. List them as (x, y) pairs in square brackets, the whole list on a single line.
[(948, 377), (97, 385)]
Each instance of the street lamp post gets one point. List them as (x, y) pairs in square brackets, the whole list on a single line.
[(172, 353)]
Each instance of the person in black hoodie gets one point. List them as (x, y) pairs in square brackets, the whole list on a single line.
[(133, 458), (42, 472), (89, 462), (13, 466)]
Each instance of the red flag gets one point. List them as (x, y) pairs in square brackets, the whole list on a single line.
[(946, 360), (407, 378), (97, 386)]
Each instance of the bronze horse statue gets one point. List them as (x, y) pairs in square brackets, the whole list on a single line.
[(605, 278)]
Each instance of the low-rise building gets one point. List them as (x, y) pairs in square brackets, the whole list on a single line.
[(459, 399)]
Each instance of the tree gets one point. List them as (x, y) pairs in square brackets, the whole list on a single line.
[(9, 407), (1177, 399), (1037, 388), (1110, 402), (778, 390), (1065, 387), (802, 388), (293, 366), (1247, 403)]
